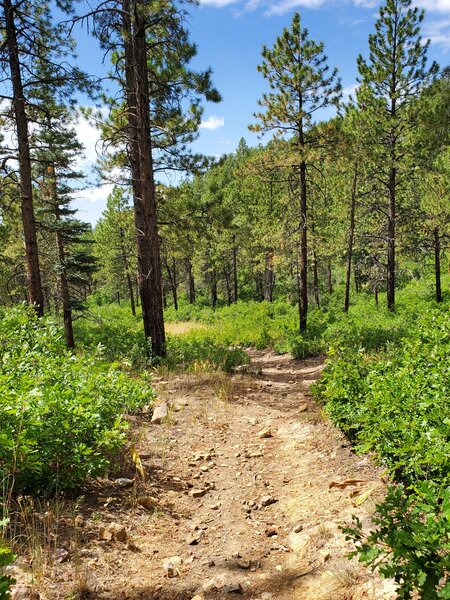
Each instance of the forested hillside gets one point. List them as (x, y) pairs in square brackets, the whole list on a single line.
[(329, 238)]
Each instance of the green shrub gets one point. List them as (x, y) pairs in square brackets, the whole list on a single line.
[(411, 540), (61, 413)]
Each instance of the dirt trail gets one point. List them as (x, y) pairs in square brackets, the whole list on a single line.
[(260, 458)]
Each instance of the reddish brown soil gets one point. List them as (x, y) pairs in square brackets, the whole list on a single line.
[(229, 545)]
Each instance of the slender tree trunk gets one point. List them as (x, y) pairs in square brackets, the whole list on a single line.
[(35, 295), (63, 277), (351, 234), (391, 241), (191, 282), (375, 293), (316, 278), (140, 154), (330, 278), (303, 272), (172, 275), (213, 289), (268, 278), (235, 277), (437, 264)]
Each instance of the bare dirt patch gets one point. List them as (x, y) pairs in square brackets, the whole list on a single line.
[(245, 491)]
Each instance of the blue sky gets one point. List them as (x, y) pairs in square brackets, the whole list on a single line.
[(230, 35)]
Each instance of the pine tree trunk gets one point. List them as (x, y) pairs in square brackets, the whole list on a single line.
[(351, 234), (235, 279), (268, 278), (391, 241), (437, 264), (303, 272), (191, 282), (213, 289), (316, 278), (140, 154), (35, 294), (63, 278), (330, 278), (375, 293)]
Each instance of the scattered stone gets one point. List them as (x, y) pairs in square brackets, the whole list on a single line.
[(60, 555), (113, 532), (194, 538), (253, 421), (303, 407), (266, 596), (234, 588), (298, 528), (241, 369), (257, 454), (197, 492), (197, 597), (148, 502), (279, 568), (265, 433), (325, 555), (159, 413), (267, 501), (123, 482), (244, 564), (209, 586), (215, 506), (271, 532), (171, 566), (79, 521), (24, 592)]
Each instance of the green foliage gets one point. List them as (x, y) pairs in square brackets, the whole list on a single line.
[(411, 540), (6, 558), (392, 397), (61, 413)]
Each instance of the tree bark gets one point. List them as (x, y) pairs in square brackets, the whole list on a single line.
[(330, 278), (235, 279), (35, 294), (268, 278), (191, 282), (391, 241), (351, 234), (303, 272), (140, 154), (437, 264)]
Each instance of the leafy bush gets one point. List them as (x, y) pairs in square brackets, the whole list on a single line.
[(411, 540), (61, 413), (396, 403)]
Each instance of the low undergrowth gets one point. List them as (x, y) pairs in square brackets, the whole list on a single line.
[(394, 401), (62, 414)]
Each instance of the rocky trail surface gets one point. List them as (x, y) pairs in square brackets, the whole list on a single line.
[(246, 487)]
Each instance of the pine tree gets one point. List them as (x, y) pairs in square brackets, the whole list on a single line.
[(392, 79), (302, 84)]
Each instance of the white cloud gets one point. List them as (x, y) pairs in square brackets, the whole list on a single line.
[(212, 122), (279, 7), (438, 32), (97, 193), (349, 90)]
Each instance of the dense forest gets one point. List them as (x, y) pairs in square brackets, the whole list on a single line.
[(330, 236)]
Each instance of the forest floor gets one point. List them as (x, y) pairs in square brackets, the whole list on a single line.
[(246, 487)]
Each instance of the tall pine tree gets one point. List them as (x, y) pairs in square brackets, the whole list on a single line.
[(301, 84)]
